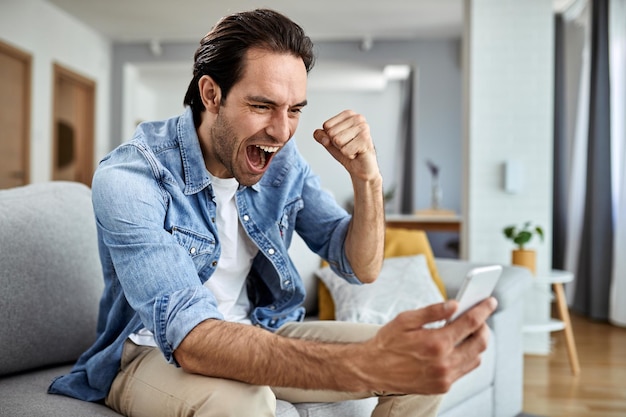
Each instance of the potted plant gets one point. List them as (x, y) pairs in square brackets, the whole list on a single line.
[(520, 237)]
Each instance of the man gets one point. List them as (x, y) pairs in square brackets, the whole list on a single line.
[(201, 308)]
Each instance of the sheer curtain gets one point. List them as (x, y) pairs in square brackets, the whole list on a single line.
[(571, 148), (617, 59), (590, 150)]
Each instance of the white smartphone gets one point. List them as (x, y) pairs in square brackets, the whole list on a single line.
[(478, 284)]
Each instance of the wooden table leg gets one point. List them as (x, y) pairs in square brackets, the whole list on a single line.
[(561, 303)]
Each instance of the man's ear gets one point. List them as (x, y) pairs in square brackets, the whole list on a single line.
[(211, 93)]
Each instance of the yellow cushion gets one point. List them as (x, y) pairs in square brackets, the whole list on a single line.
[(398, 242), (326, 305), (406, 242)]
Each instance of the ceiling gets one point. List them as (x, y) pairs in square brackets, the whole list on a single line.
[(189, 20)]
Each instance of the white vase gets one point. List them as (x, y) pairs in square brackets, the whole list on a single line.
[(436, 196)]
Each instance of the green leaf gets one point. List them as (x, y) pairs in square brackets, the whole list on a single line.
[(522, 238), (539, 231), (509, 232)]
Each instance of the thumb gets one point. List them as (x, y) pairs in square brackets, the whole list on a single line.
[(321, 137), (435, 312)]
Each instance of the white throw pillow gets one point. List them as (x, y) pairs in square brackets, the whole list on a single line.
[(404, 283)]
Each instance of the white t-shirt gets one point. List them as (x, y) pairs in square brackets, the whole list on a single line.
[(228, 282)]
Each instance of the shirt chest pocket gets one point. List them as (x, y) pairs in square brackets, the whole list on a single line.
[(201, 248), (287, 222)]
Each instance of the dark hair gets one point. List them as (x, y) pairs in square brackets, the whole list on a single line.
[(222, 50)]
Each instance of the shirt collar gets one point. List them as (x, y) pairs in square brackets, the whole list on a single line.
[(196, 175)]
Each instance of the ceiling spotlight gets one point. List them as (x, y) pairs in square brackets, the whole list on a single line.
[(366, 43), (155, 47)]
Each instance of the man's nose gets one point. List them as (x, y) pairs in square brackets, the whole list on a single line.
[(281, 126)]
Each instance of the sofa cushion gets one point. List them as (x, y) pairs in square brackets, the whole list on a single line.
[(25, 395), (362, 407), (405, 242), (50, 276), (398, 242), (404, 283)]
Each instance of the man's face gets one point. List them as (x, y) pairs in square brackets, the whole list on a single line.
[(257, 119)]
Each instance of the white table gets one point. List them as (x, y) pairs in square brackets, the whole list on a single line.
[(556, 279)]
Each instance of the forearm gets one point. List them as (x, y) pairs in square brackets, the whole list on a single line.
[(366, 235), (402, 357), (245, 353)]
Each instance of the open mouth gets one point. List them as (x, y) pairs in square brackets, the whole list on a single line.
[(260, 155)]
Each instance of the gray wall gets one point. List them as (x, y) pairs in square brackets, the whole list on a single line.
[(437, 114), (438, 105)]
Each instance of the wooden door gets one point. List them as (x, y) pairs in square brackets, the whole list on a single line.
[(15, 78), (73, 124)]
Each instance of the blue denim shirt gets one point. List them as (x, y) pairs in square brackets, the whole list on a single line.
[(158, 244)]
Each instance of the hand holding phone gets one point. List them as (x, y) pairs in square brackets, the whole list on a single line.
[(478, 284)]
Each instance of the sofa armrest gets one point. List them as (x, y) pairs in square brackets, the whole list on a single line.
[(511, 286), (506, 324)]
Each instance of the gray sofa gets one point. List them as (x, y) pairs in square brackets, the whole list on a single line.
[(50, 284)]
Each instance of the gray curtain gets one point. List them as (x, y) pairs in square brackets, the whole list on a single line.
[(406, 180), (593, 275), (559, 194)]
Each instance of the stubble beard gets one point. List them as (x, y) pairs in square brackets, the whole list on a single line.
[(225, 150)]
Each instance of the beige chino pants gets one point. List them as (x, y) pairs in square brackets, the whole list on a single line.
[(147, 386)]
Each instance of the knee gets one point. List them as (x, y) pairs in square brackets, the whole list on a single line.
[(237, 399)]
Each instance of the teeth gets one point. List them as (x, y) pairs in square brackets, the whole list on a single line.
[(269, 149)]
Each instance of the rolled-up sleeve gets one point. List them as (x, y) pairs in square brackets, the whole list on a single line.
[(324, 225), (158, 276)]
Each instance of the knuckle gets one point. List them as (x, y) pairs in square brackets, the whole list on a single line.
[(404, 318), (473, 321), (483, 343), (435, 348)]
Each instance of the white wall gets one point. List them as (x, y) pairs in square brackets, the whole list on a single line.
[(509, 115), (51, 36), (153, 92)]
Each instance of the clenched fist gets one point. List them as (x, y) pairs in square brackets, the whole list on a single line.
[(347, 137)]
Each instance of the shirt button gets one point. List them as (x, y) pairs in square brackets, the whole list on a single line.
[(246, 218), (192, 251), (214, 263), (213, 219), (287, 282), (271, 251), (272, 307)]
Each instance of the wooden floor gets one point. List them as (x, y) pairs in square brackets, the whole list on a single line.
[(598, 391)]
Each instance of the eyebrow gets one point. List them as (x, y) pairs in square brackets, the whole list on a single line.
[(261, 99)]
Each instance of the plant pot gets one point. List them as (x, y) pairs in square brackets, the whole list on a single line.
[(525, 258)]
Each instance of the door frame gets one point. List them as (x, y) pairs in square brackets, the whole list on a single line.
[(85, 160), (26, 59)]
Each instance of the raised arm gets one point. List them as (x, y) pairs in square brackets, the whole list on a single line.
[(347, 138)]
